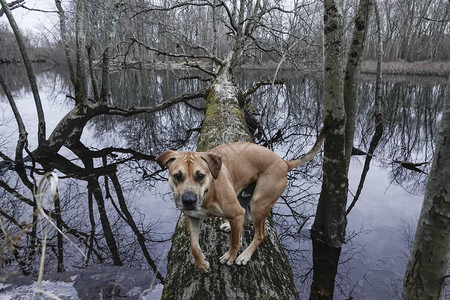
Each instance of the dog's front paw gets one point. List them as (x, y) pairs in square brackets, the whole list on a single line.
[(243, 259), (228, 258), (203, 266), (225, 226)]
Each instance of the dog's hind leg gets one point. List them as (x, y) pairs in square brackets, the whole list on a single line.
[(268, 190)]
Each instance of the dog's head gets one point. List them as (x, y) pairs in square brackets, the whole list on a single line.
[(190, 175)]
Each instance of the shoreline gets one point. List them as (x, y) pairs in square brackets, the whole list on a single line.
[(420, 68), (402, 68)]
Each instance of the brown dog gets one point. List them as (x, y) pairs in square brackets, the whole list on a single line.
[(206, 184)]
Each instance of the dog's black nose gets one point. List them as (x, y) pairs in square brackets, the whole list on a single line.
[(189, 199)]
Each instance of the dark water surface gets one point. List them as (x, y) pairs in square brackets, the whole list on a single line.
[(380, 226)]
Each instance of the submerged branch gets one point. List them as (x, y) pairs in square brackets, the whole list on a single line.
[(130, 221), (29, 69), (23, 136), (165, 104)]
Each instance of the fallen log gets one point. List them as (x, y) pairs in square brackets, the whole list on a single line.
[(268, 275)]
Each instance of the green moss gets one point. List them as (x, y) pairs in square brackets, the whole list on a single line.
[(224, 122), (263, 297), (166, 295)]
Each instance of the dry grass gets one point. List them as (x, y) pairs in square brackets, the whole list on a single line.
[(422, 68), (47, 186)]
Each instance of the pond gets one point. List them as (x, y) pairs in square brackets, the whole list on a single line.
[(138, 202)]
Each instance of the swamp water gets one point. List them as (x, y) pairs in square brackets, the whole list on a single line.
[(380, 226)]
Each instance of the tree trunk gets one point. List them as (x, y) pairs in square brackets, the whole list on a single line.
[(268, 275), (378, 112), (328, 230), (80, 83), (339, 100), (30, 73), (428, 262), (352, 72)]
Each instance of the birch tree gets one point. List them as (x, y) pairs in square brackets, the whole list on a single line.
[(339, 100), (427, 268)]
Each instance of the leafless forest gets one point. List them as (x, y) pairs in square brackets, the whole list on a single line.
[(290, 31), (156, 71)]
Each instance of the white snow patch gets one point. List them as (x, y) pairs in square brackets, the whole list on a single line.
[(4, 286), (154, 294), (136, 291), (63, 290)]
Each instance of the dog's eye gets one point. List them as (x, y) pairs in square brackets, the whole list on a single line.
[(199, 176), (178, 176)]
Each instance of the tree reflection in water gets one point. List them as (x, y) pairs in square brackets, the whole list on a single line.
[(111, 190)]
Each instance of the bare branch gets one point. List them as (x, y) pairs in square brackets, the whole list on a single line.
[(179, 5), (196, 65), (37, 10), (112, 150), (12, 5), (259, 84), (178, 55), (165, 104)]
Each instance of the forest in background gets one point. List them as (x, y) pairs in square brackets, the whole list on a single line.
[(412, 31)]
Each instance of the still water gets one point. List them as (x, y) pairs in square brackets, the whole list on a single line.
[(380, 226)]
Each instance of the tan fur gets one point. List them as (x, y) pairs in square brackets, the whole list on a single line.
[(225, 171)]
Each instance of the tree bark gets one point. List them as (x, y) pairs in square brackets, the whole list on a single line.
[(352, 72), (80, 84), (65, 40), (334, 188), (339, 98), (107, 52), (268, 275), (428, 262), (378, 112), (328, 230)]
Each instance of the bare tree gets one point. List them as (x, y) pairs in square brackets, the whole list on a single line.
[(339, 97), (67, 134), (378, 114), (427, 267)]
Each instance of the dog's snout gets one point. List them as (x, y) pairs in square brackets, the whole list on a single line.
[(189, 200)]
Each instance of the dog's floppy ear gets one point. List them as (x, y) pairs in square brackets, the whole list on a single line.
[(214, 163), (165, 158)]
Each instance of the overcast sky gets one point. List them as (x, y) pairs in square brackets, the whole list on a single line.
[(34, 21)]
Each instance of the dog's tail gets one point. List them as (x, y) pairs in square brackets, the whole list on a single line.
[(310, 155)]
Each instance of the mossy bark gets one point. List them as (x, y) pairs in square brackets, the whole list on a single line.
[(224, 121), (268, 275)]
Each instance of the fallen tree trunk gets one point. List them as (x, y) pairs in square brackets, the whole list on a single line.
[(268, 275)]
